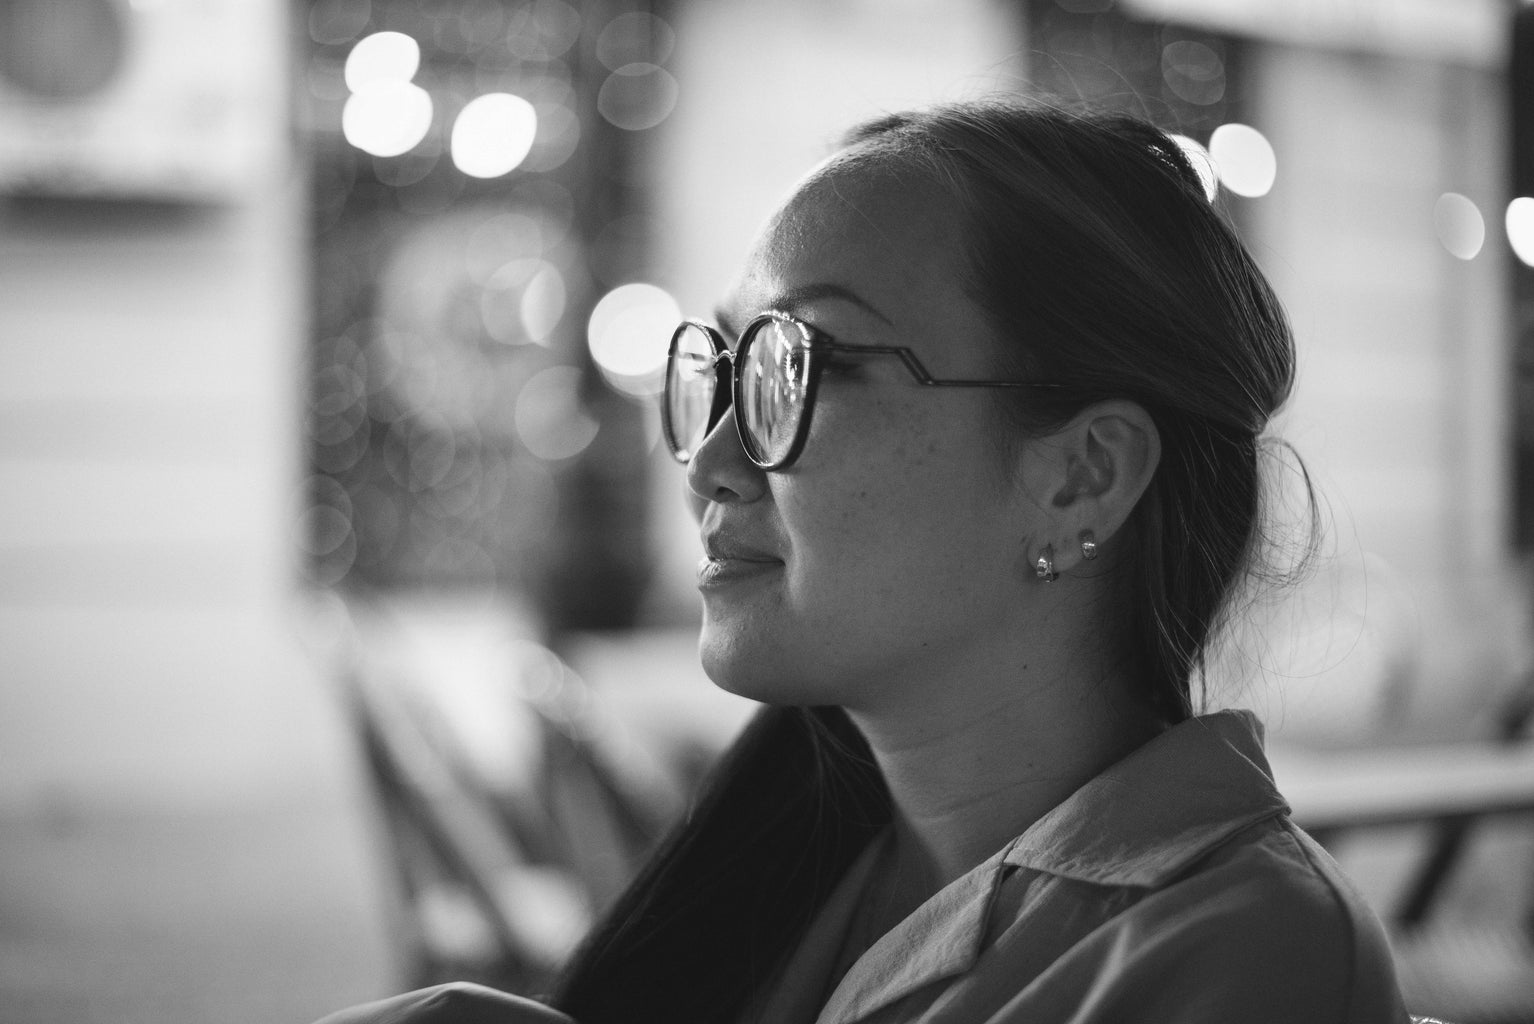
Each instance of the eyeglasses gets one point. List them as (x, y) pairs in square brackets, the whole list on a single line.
[(773, 373)]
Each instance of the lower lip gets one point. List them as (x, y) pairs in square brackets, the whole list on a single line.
[(715, 572)]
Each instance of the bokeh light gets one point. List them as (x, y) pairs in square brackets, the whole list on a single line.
[(1203, 164), (1244, 159), (635, 37), (559, 132), (523, 302), (493, 134), (1520, 228), (638, 96), (1459, 225), (543, 303), (501, 238), (382, 57), (430, 446), (1194, 72), (327, 532), (338, 21), (482, 24), (550, 419), (542, 30), (386, 118), (627, 335)]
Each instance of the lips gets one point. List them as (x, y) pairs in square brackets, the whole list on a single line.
[(728, 557), (722, 547)]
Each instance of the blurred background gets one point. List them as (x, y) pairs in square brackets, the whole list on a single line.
[(346, 613)]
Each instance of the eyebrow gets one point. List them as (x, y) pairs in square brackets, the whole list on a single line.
[(829, 290), (805, 294)]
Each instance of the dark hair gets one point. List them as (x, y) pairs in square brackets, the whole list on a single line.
[(1102, 266), (781, 818)]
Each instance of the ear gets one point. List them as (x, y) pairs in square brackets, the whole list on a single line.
[(1088, 476)]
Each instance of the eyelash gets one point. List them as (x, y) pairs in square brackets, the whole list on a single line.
[(832, 364)]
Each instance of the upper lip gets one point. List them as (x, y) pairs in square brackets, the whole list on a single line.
[(722, 543)]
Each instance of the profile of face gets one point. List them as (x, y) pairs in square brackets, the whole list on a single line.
[(895, 550)]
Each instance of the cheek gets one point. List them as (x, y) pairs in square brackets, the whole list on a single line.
[(890, 509)]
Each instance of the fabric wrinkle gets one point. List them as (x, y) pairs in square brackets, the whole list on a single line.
[(1171, 887)]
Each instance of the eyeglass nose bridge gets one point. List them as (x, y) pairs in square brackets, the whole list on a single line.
[(726, 370), (723, 366)]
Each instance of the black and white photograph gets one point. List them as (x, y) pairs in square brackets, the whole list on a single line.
[(767, 511)]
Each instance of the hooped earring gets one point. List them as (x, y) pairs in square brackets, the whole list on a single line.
[(1088, 545), (1044, 568)]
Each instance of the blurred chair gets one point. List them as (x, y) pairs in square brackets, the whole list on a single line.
[(498, 875), (1474, 973), (499, 878)]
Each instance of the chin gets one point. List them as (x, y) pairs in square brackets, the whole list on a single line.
[(757, 671)]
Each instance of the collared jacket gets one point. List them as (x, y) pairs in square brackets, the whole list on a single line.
[(1173, 887)]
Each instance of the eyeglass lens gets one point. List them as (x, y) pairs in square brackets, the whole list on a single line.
[(773, 372), (774, 382), (690, 384)]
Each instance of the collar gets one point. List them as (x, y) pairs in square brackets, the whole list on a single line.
[(1142, 822), (1148, 817), (942, 939)]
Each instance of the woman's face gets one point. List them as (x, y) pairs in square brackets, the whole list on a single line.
[(893, 553)]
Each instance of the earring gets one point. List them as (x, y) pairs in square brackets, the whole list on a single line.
[(1044, 568), (1088, 545)]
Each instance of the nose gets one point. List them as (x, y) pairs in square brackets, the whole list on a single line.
[(720, 469)]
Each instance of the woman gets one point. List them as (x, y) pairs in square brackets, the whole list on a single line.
[(974, 443)]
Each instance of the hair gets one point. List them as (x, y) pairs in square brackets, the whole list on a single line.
[(1101, 266), (779, 820)]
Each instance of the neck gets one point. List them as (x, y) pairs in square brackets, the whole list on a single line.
[(966, 778)]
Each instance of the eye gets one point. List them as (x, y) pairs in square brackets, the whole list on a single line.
[(835, 364)]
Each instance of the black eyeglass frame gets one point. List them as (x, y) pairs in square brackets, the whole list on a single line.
[(817, 345)]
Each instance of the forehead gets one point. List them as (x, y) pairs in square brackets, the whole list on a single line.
[(893, 239)]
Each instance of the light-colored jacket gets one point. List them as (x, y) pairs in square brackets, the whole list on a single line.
[(1173, 887)]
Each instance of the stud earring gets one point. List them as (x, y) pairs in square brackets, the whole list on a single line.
[(1088, 545), (1044, 568)]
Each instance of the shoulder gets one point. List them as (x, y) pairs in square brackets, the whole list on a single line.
[(1261, 928), (1267, 920)]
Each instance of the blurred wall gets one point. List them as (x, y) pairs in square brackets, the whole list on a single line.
[(1402, 404), (1403, 346), (149, 410)]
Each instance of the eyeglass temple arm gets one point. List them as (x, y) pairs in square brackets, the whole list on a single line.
[(919, 372)]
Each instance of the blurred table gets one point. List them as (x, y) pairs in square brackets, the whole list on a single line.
[(243, 914), (1346, 789)]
